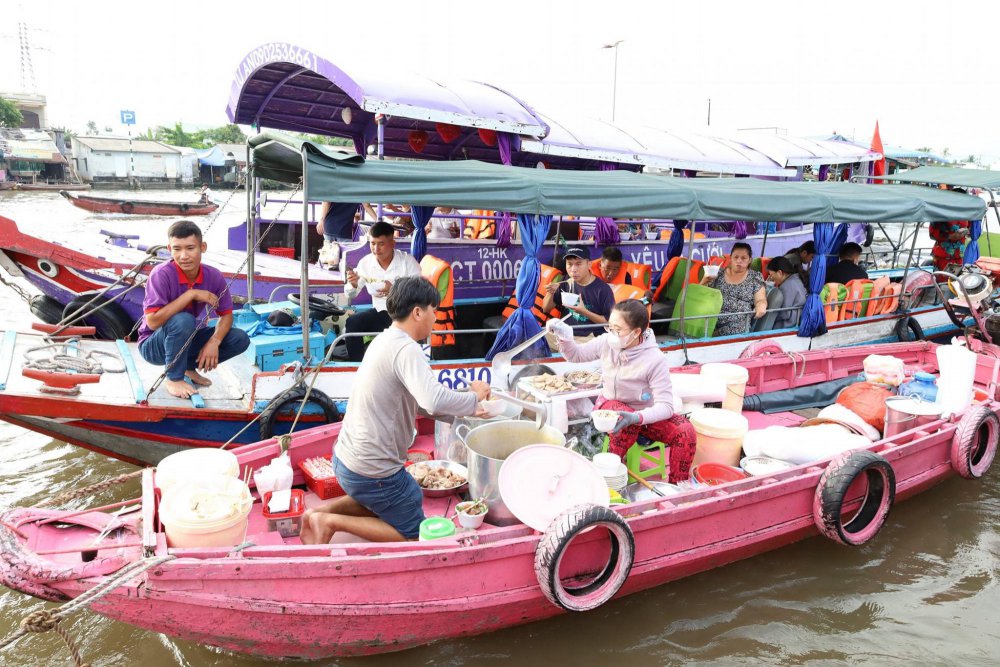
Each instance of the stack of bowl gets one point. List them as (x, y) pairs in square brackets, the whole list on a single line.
[(612, 470)]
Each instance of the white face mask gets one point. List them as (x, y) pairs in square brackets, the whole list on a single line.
[(618, 344)]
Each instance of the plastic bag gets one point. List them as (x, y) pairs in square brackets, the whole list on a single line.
[(867, 401)]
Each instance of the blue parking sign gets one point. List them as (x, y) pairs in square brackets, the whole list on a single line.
[(128, 117)]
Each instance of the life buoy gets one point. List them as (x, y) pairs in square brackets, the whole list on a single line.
[(974, 445), (556, 539), (111, 321), (909, 330), (127, 207), (269, 417), (761, 348), (831, 493)]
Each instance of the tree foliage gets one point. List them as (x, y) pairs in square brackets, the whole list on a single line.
[(91, 128), (178, 136), (10, 115)]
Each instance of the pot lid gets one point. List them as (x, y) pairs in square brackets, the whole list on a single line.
[(913, 406), (540, 482)]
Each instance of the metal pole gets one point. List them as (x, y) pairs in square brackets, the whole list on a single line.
[(380, 134), (710, 112), (304, 260), (251, 223), (993, 205), (131, 160), (906, 269), (684, 288), (555, 241), (614, 87), (763, 243)]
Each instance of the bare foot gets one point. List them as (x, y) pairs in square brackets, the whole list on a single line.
[(180, 388), (198, 378)]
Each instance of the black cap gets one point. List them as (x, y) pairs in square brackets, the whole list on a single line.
[(281, 318), (576, 251)]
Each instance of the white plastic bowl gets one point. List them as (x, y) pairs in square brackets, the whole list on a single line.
[(472, 521), (570, 299), (604, 420)]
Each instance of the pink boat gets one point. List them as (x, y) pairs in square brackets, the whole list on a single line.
[(280, 598)]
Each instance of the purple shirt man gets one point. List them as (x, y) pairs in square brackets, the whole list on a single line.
[(180, 297)]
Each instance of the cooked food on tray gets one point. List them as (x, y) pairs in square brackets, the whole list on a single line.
[(435, 477), (588, 378), (551, 384)]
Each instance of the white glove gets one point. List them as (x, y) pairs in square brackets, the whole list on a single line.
[(561, 330)]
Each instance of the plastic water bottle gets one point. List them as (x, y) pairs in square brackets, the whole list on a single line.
[(923, 386)]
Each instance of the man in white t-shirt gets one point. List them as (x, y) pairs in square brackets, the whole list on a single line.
[(376, 272)]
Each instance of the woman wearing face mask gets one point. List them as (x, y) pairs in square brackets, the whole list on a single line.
[(742, 292), (636, 384)]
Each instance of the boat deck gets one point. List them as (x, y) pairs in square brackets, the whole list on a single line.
[(230, 389)]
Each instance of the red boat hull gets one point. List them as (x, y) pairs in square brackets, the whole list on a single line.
[(139, 207)]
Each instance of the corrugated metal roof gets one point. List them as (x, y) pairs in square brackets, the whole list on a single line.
[(113, 144)]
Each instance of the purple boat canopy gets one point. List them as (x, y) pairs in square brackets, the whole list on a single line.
[(283, 86)]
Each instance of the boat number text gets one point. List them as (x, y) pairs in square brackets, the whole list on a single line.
[(493, 264), (458, 378)]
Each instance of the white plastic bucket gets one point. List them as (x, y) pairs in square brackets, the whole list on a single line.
[(196, 465), (958, 372), (720, 436), (736, 378), (206, 514)]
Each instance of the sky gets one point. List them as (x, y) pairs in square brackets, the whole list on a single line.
[(922, 69)]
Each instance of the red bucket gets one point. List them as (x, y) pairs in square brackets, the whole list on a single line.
[(282, 252), (714, 474)]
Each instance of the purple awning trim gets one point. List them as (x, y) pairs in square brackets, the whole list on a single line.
[(824, 172), (605, 230), (739, 229), (503, 224)]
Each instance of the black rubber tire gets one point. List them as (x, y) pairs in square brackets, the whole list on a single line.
[(869, 235), (127, 207), (319, 304), (832, 489), (46, 308), (974, 445), (111, 321), (269, 417), (554, 542), (184, 207), (909, 330)]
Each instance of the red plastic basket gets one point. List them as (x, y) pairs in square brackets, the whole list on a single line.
[(324, 487), (282, 252)]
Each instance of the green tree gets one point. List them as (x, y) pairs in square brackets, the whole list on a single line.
[(91, 128), (227, 134), (924, 149), (10, 115), (178, 136), (946, 152), (327, 140)]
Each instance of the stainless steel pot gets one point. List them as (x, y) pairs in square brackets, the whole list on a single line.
[(488, 446)]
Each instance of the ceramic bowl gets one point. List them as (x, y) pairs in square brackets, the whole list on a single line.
[(604, 420), (472, 521)]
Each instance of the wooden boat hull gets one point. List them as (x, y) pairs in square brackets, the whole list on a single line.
[(49, 187), (289, 600), (138, 206)]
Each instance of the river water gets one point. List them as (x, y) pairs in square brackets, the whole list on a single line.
[(925, 591)]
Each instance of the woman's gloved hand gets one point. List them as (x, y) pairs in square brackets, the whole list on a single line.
[(625, 420), (561, 330)]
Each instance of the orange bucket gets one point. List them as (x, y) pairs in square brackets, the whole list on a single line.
[(714, 474)]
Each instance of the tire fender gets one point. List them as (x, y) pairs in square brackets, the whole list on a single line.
[(127, 207), (556, 539), (909, 330), (831, 493), (46, 308), (184, 207), (761, 348), (974, 445), (269, 416), (111, 321)]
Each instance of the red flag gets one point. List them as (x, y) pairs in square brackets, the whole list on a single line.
[(877, 147)]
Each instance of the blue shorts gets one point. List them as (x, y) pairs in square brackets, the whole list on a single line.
[(396, 499)]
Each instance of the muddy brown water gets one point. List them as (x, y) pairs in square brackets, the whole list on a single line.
[(925, 591)]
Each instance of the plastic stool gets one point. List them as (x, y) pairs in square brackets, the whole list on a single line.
[(648, 451)]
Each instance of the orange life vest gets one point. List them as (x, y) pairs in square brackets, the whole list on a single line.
[(854, 306), (480, 227), (548, 274), (437, 270), (625, 292), (619, 279), (835, 294)]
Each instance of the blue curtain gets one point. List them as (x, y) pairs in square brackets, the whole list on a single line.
[(839, 237), (676, 244), (972, 250), (420, 216), (813, 320), (522, 325)]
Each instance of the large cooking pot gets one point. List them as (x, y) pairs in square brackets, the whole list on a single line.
[(488, 446), (904, 413)]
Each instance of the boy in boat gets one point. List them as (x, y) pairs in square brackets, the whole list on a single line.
[(378, 271), (180, 296), (383, 502), (590, 300), (847, 268)]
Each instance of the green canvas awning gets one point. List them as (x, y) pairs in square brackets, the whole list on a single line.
[(337, 176), (961, 178)]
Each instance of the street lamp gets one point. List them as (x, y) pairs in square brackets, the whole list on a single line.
[(614, 80)]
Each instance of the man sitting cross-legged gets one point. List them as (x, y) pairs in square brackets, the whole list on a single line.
[(180, 294)]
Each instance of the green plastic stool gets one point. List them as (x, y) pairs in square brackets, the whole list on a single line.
[(654, 452)]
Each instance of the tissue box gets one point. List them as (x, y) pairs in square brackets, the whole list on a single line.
[(288, 524)]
